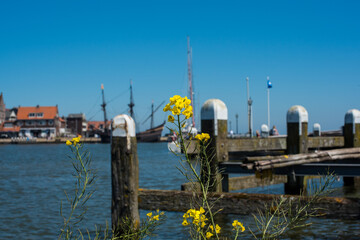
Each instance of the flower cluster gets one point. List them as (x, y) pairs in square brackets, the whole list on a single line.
[(203, 137), (198, 219), (152, 217), (238, 226), (74, 141), (177, 106)]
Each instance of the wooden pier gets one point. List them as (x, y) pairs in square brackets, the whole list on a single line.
[(289, 159)]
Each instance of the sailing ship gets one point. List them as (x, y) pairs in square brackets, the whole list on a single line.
[(153, 134)]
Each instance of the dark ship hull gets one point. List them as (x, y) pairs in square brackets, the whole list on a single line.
[(105, 137), (151, 135)]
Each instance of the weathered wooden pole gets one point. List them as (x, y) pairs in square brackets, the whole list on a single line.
[(124, 173), (214, 117), (351, 136), (296, 142)]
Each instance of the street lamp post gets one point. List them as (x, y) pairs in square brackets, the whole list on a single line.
[(249, 102), (237, 118), (269, 85)]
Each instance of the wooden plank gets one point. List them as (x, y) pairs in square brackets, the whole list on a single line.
[(242, 203), (243, 182), (326, 142), (256, 144), (273, 143)]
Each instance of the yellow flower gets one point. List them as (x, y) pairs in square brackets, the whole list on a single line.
[(202, 137), (171, 118), (202, 210), (175, 110), (203, 224), (68, 142), (185, 222), (217, 228), (209, 235), (149, 214), (188, 112), (236, 224), (167, 107), (155, 218), (178, 104), (191, 212), (187, 101), (173, 99), (76, 140)]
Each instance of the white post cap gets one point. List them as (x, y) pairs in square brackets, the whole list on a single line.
[(214, 109), (352, 116), (316, 127), (123, 126), (297, 114), (264, 128)]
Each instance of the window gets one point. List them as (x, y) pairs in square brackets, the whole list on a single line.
[(31, 115), (51, 122), (39, 115), (28, 123), (42, 123)]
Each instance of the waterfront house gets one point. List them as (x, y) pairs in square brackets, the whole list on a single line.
[(96, 128), (8, 129), (62, 129), (11, 115), (38, 121), (76, 123)]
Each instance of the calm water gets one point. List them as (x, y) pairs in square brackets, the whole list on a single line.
[(33, 179)]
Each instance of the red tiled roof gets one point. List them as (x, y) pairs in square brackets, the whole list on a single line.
[(96, 124), (48, 112), (9, 129)]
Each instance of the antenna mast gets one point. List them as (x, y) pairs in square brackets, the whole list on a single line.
[(103, 105), (191, 91)]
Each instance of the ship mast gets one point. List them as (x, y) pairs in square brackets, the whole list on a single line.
[(103, 105), (152, 115), (131, 104), (191, 91)]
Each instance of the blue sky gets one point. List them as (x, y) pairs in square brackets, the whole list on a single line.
[(59, 52)]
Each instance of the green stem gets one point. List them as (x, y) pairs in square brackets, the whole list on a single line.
[(203, 188)]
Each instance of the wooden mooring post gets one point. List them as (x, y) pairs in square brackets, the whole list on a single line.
[(351, 138), (124, 172), (214, 118), (296, 142)]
